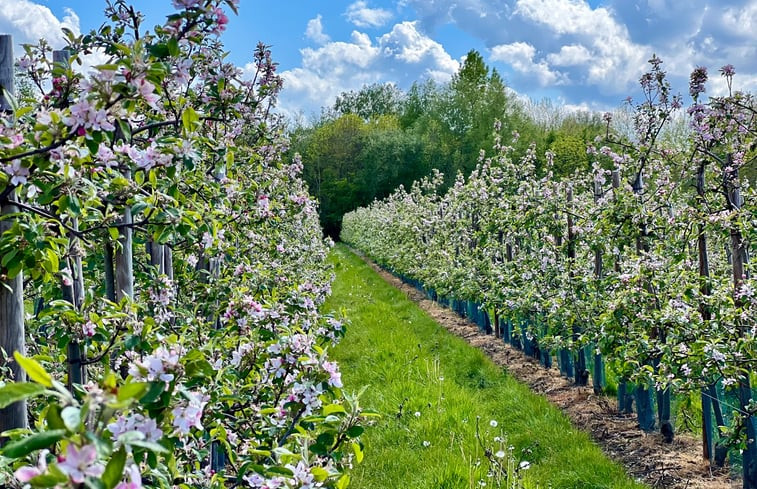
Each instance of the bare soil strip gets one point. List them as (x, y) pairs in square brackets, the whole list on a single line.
[(646, 456)]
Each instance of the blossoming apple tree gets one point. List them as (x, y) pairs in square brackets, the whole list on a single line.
[(168, 267), (642, 266)]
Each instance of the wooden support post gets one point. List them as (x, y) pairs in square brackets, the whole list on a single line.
[(110, 273), (73, 290), (598, 373), (709, 395), (61, 56), (6, 71), (581, 372), (644, 399), (12, 337), (740, 258), (123, 258), (625, 392)]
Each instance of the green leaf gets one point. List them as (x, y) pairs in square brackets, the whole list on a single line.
[(125, 128), (22, 111), (156, 389), (280, 471), (319, 473), (343, 482), (37, 441), (53, 417), (148, 445), (355, 431), (358, 452), (74, 205), (52, 258), (319, 449), (138, 207), (34, 370), (115, 469), (135, 391), (196, 365), (48, 480), (92, 146), (333, 408), (71, 417), (159, 50), (8, 257), (173, 46), (189, 119), (326, 439), (18, 391)]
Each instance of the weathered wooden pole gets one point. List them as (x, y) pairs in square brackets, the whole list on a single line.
[(72, 286), (12, 336), (625, 392), (598, 373), (644, 400), (581, 373), (564, 358), (217, 452), (708, 445), (6, 71), (124, 255), (740, 258)]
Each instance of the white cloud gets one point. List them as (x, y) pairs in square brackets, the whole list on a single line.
[(570, 55), (520, 55), (590, 53), (742, 21), (29, 22), (362, 16), (617, 60), (337, 57), (570, 17), (314, 31), (406, 44), (402, 56)]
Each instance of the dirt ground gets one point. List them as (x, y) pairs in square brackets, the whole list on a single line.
[(646, 456)]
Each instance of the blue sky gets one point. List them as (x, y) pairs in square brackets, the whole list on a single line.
[(584, 54)]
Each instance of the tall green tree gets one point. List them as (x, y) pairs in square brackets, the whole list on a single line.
[(370, 101), (376, 138)]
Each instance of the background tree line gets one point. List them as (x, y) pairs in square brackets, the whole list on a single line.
[(380, 137)]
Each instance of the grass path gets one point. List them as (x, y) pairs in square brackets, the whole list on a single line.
[(431, 389)]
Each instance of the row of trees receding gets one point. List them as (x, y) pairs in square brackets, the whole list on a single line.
[(375, 139), (639, 268), (161, 270)]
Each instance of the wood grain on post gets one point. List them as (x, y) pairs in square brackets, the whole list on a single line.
[(123, 258), (11, 290), (6, 71), (12, 333)]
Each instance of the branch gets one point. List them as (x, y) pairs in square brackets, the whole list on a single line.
[(41, 212), (107, 349)]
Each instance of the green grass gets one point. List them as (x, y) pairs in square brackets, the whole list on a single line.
[(412, 365)]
